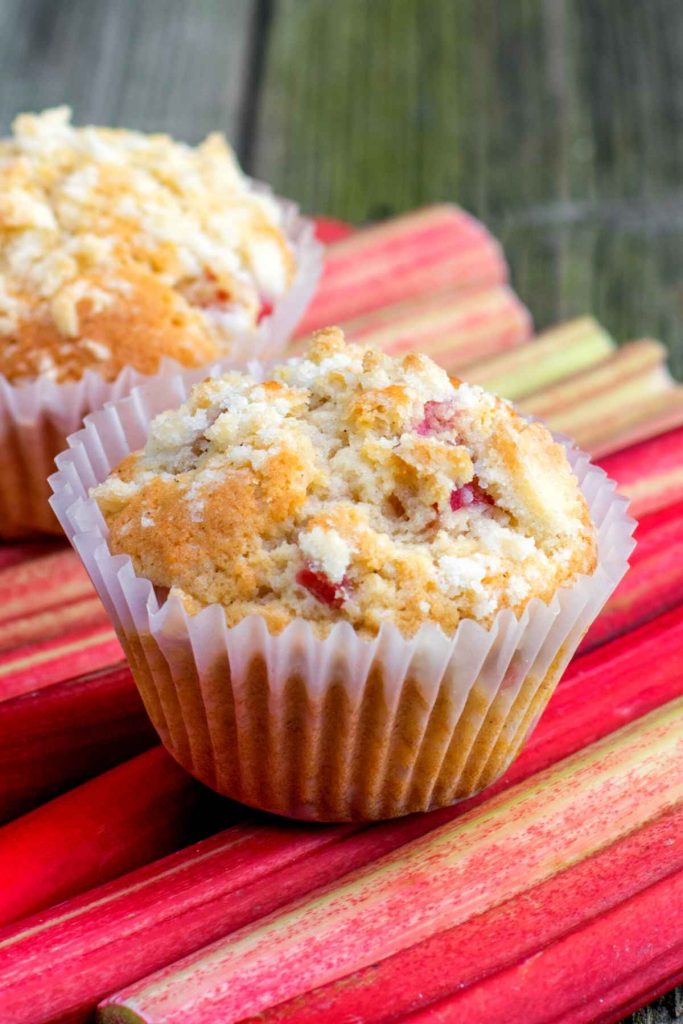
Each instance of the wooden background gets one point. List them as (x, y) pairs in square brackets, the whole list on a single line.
[(558, 122)]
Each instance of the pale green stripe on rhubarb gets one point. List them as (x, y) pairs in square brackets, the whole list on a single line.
[(557, 353)]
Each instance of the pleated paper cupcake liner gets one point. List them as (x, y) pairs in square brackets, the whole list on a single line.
[(37, 417), (341, 727)]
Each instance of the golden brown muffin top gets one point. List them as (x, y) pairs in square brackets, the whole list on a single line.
[(119, 248), (350, 486)]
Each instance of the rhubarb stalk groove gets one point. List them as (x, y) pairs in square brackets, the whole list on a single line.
[(515, 841)]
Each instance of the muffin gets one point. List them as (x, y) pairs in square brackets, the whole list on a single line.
[(350, 587), (120, 251)]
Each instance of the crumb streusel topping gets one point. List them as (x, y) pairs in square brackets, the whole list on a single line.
[(352, 486), (118, 248)]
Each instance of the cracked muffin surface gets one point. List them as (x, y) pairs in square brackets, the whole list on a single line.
[(350, 486), (118, 248)]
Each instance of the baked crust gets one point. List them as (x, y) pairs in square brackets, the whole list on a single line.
[(119, 248), (351, 486)]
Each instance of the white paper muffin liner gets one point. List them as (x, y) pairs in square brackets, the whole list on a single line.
[(37, 417), (341, 727)]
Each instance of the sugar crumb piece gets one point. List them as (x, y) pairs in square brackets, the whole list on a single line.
[(458, 574), (246, 455), (47, 367), (327, 552), (114, 494), (65, 314), (96, 348)]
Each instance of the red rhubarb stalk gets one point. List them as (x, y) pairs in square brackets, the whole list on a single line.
[(82, 948), (518, 840), (654, 582), (35, 665), (54, 622), (472, 267), (61, 735), (439, 247), (453, 329), (455, 959), (328, 230), (489, 322), (132, 814), (50, 581), (445, 322), (622, 959), (650, 473), (405, 240), (88, 939), (636, 421), (23, 551)]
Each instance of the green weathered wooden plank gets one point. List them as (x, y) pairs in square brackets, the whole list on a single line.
[(559, 122), (168, 65), (382, 106)]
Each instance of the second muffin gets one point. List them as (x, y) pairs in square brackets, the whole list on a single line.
[(124, 254), (119, 248)]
